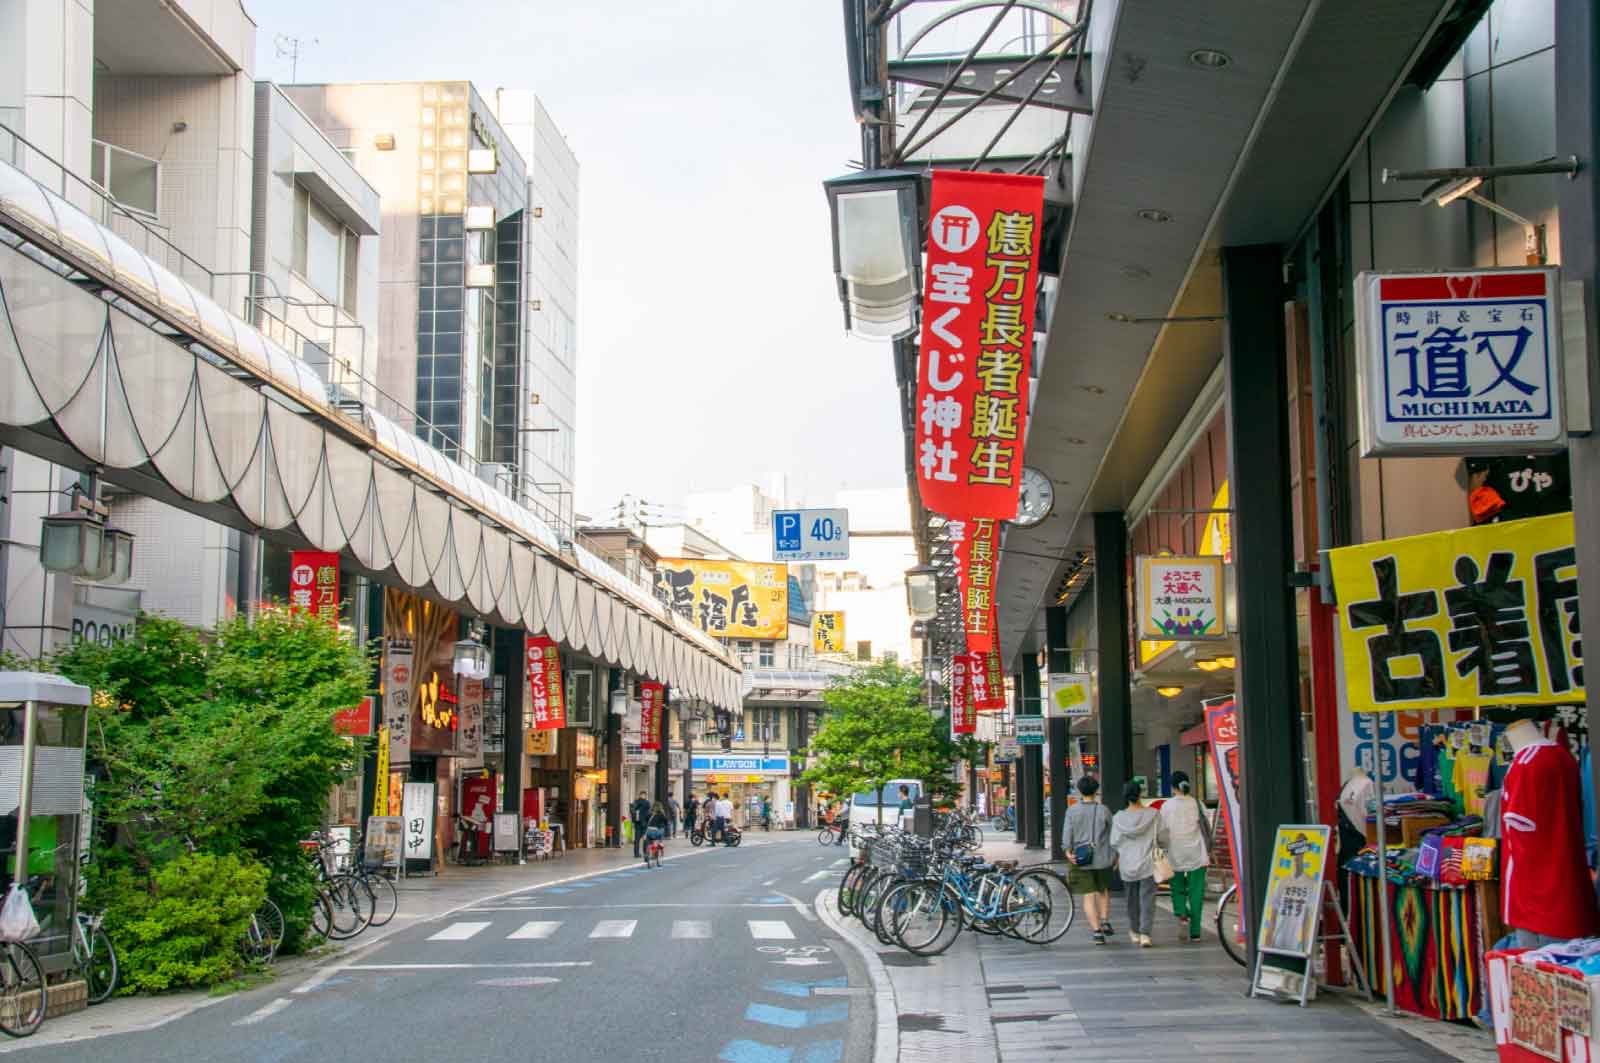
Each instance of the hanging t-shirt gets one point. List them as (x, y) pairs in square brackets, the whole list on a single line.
[(1471, 781), (1545, 877)]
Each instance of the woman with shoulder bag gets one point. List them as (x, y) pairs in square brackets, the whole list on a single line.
[(1186, 826), (1138, 835), (1088, 846)]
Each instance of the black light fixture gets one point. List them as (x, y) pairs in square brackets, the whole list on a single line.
[(78, 542), (877, 250)]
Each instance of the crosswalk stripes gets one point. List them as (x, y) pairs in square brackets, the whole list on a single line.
[(534, 930), (614, 929), (770, 930), (459, 932)]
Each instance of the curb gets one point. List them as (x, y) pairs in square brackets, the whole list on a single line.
[(886, 1039)]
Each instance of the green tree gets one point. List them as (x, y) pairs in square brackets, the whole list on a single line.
[(877, 728), (222, 743)]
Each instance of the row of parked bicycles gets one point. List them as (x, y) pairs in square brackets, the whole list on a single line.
[(921, 893)]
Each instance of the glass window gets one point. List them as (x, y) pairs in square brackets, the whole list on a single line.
[(766, 657), (131, 179), (323, 237)]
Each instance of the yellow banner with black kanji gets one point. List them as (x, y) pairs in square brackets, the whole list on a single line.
[(1469, 618)]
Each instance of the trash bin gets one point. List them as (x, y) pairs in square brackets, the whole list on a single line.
[(922, 816)]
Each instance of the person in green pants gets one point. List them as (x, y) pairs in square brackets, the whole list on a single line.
[(1186, 825)]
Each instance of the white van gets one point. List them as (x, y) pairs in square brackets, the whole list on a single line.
[(864, 806)]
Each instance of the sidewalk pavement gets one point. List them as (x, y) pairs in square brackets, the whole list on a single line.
[(423, 899), (996, 1000)]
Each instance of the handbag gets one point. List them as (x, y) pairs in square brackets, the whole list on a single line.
[(1083, 854), (17, 922), (1163, 866)]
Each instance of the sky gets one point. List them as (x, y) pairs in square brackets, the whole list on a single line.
[(711, 347)]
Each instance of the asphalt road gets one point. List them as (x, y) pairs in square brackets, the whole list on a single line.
[(715, 956)]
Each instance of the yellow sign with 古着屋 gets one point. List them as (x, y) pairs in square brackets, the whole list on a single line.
[(730, 599), (1461, 619), (827, 632)]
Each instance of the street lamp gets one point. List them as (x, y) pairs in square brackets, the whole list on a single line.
[(922, 592), (78, 543), (877, 250), (469, 659)]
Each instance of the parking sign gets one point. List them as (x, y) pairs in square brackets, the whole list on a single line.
[(810, 535)]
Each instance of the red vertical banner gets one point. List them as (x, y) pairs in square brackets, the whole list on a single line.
[(546, 699), (994, 684), (963, 720), (314, 584), (977, 341), (650, 708), (976, 549)]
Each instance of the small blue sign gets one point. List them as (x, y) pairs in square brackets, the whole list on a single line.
[(810, 535)]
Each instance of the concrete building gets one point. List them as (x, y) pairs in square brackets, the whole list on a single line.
[(550, 289), (468, 263), (142, 114)]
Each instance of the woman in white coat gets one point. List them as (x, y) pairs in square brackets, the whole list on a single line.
[(1185, 821)]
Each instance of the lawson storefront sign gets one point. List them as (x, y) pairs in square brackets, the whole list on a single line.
[(737, 764)]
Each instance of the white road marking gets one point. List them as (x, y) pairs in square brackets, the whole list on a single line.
[(314, 983), (465, 966), (614, 928), (531, 931), (770, 882), (617, 907), (691, 928), (264, 1012), (800, 906), (770, 930), (459, 932), (817, 876)]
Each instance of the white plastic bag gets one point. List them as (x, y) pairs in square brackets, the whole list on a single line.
[(17, 922)]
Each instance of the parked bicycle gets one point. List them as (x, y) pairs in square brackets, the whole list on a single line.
[(263, 935), (348, 903), (920, 894), (23, 994), (93, 957)]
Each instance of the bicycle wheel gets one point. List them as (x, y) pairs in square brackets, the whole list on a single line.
[(972, 837), (322, 915), (882, 923), (265, 932), (22, 990), (929, 919), (1230, 926), (825, 836), (697, 838), (1042, 904), (99, 966), (867, 907), (348, 914), (387, 897), (848, 888)]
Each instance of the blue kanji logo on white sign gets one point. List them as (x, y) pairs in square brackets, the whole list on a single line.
[(1456, 363)]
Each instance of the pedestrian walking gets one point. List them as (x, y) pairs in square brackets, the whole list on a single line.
[(691, 808), (841, 817), (1186, 829), (672, 816), (638, 812), (708, 812), (1089, 857), (1136, 831)]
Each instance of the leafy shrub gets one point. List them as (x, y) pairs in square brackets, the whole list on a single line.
[(179, 925)]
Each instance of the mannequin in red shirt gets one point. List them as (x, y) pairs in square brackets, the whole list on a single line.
[(1544, 873)]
